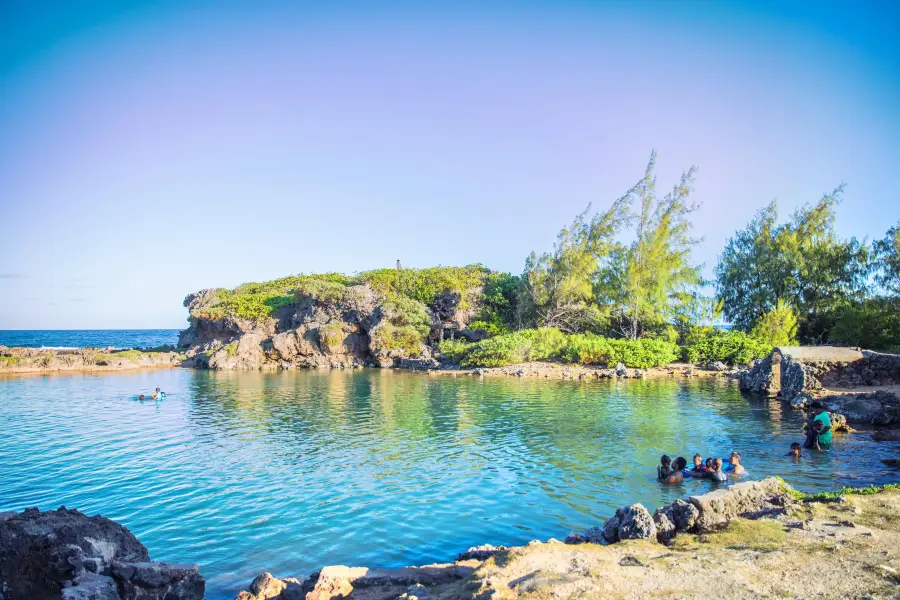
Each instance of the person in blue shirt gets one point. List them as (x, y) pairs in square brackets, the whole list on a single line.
[(158, 395)]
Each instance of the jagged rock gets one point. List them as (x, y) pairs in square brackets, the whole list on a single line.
[(267, 587), (472, 335), (66, 554), (594, 535), (482, 552), (575, 538), (636, 523), (720, 506), (611, 530), (717, 365), (621, 370), (665, 528), (684, 515), (872, 408)]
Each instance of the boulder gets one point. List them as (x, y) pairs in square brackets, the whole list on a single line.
[(718, 507), (65, 554), (267, 587), (621, 370), (630, 523), (665, 528), (483, 552)]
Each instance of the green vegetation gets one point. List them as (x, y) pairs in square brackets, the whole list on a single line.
[(590, 349), (424, 284), (527, 345), (627, 272), (231, 348), (404, 329), (453, 350), (705, 344), (739, 533), (332, 334), (9, 361), (844, 491), (777, 327)]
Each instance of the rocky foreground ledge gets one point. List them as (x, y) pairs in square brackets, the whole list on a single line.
[(64, 554), (751, 540)]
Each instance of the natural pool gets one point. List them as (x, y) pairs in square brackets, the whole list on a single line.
[(287, 472)]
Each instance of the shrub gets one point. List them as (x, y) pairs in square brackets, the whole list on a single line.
[(453, 350), (527, 345), (704, 344), (423, 285), (873, 324), (231, 349), (492, 328), (777, 327), (332, 334), (404, 326), (589, 349), (260, 301)]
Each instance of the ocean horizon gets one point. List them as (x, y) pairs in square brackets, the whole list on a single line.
[(88, 338)]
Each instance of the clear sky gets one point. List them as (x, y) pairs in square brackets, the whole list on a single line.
[(150, 149)]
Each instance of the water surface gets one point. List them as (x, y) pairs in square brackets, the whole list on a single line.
[(287, 472), (88, 338)]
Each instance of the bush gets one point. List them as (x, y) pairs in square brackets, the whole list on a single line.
[(453, 350), (423, 285), (777, 327), (403, 329), (589, 349), (705, 344), (260, 301), (527, 345), (873, 324)]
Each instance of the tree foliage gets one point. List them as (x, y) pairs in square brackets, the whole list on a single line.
[(778, 327), (802, 263), (887, 261), (558, 285), (653, 281)]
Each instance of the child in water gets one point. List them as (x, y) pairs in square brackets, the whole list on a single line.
[(158, 395), (699, 469), (716, 474), (664, 469), (796, 450)]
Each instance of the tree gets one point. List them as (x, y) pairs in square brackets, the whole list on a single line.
[(802, 263), (652, 281), (558, 286), (887, 256), (778, 327)]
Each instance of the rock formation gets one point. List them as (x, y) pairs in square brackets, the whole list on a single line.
[(64, 554), (323, 327)]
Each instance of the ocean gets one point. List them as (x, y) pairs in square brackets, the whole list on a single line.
[(89, 338)]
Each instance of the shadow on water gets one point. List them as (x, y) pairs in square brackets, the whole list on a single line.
[(242, 472)]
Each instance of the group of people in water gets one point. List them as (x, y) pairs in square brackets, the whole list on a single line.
[(714, 469), (818, 437), (158, 395)]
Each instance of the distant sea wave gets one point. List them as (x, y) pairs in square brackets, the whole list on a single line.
[(61, 339)]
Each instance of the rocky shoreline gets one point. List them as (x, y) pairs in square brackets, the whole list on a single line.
[(19, 360), (749, 540)]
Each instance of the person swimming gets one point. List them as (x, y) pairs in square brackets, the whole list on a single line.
[(699, 469), (796, 450), (716, 474), (158, 395), (735, 465), (678, 467)]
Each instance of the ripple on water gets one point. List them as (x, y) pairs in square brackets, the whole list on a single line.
[(286, 472)]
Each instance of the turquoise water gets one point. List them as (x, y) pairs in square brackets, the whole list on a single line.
[(88, 338), (244, 472)]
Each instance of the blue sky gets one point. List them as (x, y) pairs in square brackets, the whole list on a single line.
[(150, 149)]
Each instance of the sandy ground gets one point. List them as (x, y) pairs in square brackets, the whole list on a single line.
[(836, 550)]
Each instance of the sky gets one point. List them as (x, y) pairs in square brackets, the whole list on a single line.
[(151, 149)]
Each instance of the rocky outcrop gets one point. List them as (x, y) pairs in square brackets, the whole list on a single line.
[(881, 408), (697, 514), (330, 326), (790, 371), (64, 554)]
